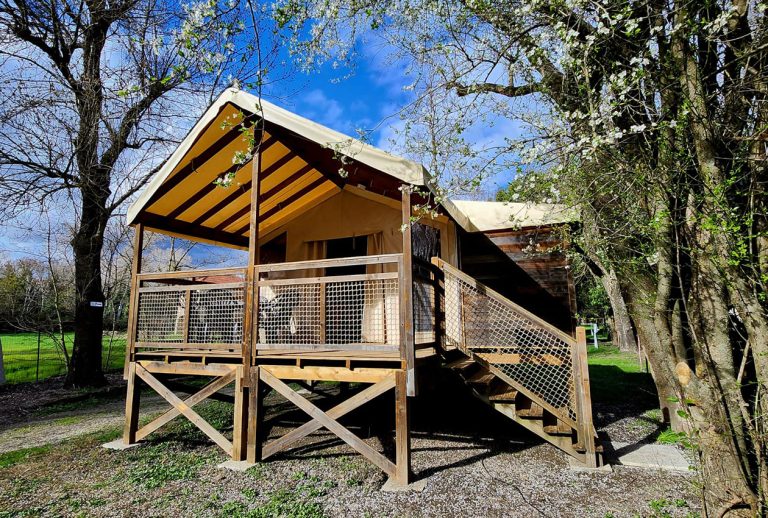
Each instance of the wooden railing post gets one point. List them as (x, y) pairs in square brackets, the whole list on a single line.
[(583, 398), (133, 300), (251, 303), (187, 311), (251, 411), (407, 339)]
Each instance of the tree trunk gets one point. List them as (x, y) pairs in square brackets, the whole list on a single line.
[(624, 333), (693, 402), (85, 369)]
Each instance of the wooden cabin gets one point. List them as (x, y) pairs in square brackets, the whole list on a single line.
[(343, 282)]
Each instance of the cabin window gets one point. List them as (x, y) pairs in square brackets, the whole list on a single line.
[(346, 247)]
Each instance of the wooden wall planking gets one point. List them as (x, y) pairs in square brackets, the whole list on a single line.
[(529, 266)]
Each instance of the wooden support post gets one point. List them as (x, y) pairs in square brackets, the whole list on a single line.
[(251, 317), (586, 429), (240, 425), (255, 415), (406, 294), (132, 400), (133, 300), (402, 430)]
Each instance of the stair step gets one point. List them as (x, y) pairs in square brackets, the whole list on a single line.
[(503, 392), (516, 359), (534, 412), (560, 428), (579, 447), (460, 364), (482, 377)]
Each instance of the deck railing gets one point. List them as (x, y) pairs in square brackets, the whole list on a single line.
[(349, 304), (198, 310), (526, 351), (330, 304)]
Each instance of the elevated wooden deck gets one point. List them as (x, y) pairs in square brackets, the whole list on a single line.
[(375, 329)]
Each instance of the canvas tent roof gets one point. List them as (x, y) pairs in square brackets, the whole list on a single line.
[(300, 168), (300, 163), (487, 216)]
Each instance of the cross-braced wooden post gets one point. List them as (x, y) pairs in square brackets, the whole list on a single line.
[(382, 380), (252, 416), (402, 430), (240, 425), (146, 371)]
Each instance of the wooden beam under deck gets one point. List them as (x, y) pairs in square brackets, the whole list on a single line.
[(320, 373)]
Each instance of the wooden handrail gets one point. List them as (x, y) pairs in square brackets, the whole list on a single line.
[(586, 429), (330, 263), (192, 287), (565, 337), (183, 274), (330, 279), (582, 402)]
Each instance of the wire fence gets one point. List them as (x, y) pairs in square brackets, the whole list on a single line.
[(38, 355)]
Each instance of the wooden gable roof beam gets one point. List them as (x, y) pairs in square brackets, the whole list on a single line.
[(199, 195), (197, 161), (182, 228), (288, 201), (288, 181)]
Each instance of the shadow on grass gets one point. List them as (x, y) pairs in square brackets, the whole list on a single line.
[(611, 385)]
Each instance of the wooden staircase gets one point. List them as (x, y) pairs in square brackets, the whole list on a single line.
[(496, 351)]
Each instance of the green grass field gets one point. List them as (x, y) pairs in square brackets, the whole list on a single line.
[(618, 377), (20, 355)]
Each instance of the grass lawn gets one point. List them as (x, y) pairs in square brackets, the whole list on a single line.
[(617, 377), (20, 355)]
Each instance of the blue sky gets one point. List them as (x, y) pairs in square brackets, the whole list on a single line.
[(367, 97)]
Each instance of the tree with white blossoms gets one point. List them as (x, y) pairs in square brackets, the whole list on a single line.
[(93, 96), (651, 117)]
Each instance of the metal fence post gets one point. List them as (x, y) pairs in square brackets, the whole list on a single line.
[(2, 364), (37, 366)]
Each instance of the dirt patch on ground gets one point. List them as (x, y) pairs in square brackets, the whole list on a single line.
[(22, 402), (474, 461)]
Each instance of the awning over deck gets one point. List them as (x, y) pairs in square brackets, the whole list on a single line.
[(300, 168), (302, 165)]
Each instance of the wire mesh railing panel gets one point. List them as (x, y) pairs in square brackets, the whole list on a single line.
[(518, 346), (216, 316), (424, 311), (201, 316), (160, 317), (328, 312)]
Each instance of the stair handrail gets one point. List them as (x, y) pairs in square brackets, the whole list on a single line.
[(582, 398), (440, 263)]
